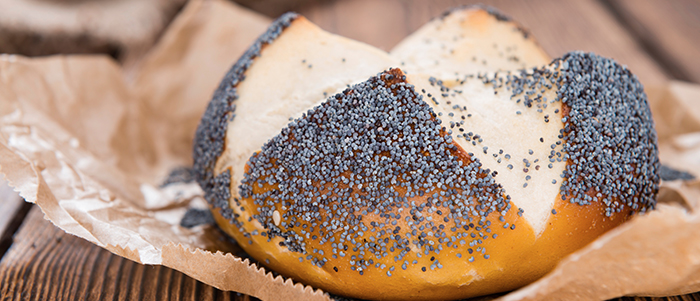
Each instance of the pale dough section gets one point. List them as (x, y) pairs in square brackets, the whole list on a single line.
[(468, 41), (300, 69), (507, 137)]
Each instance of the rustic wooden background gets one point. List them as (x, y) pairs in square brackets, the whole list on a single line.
[(658, 40)]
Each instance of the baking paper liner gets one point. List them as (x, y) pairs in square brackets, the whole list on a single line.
[(90, 144)]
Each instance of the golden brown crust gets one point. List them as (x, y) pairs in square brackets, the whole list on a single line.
[(516, 258)]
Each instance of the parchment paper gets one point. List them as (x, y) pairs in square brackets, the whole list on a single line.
[(90, 144)]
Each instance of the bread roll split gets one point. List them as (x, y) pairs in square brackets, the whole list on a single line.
[(330, 165)]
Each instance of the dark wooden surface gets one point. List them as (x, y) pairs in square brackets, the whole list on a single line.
[(658, 40), (668, 30), (45, 263)]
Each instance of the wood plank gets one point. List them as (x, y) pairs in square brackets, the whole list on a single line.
[(669, 29), (559, 26), (45, 263)]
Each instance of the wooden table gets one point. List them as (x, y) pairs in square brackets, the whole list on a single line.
[(657, 39)]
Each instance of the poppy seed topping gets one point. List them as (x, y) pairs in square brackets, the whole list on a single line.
[(609, 135), (372, 150)]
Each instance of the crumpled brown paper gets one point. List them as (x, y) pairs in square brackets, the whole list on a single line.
[(90, 143)]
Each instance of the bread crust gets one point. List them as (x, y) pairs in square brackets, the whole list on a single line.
[(572, 228), (443, 227), (516, 255)]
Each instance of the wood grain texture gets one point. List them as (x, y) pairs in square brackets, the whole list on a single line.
[(670, 30), (45, 263), (559, 26)]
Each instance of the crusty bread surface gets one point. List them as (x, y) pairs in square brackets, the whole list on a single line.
[(331, 165)]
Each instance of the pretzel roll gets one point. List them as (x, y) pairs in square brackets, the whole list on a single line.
[(398, 186)]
